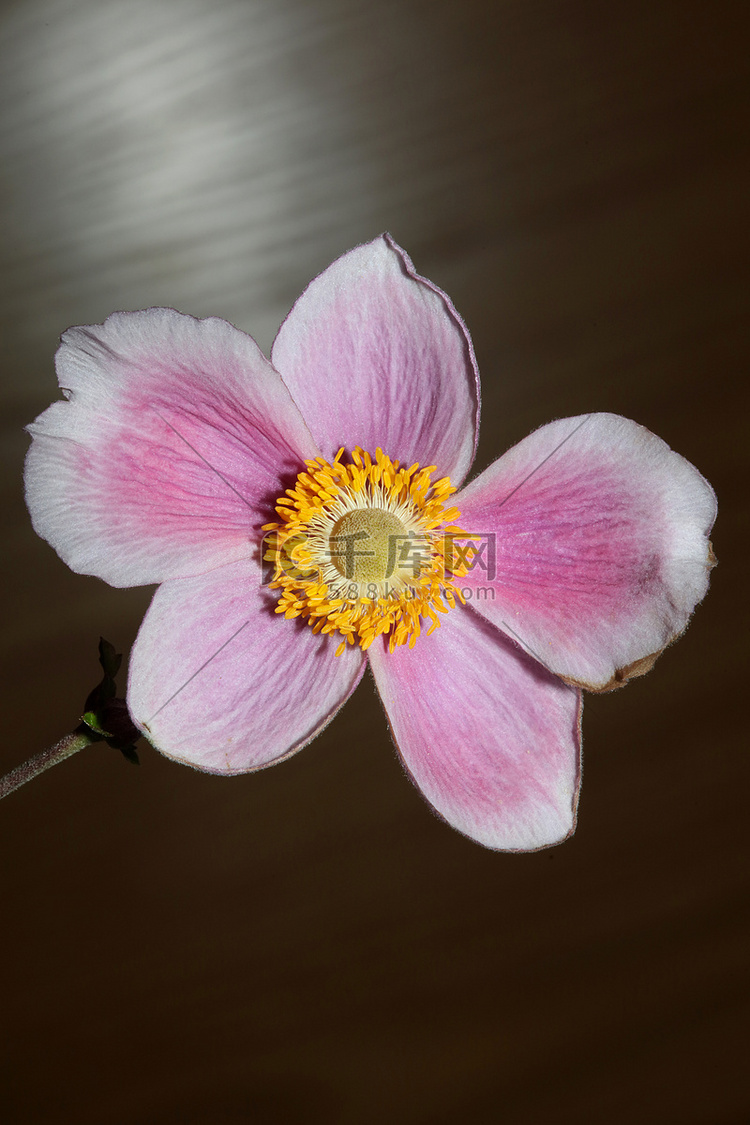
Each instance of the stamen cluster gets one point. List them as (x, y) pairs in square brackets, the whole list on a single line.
[(365, 549)]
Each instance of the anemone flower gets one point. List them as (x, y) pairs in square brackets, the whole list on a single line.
[(300, 518)]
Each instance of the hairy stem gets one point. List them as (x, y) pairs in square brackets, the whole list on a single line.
[(50, 757)]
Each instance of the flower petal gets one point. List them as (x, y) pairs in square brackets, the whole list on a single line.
[(375, 355), (169, 452), (221, 682), (599, 536), (490, 738)]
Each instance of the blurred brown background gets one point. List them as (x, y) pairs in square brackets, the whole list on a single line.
[(309, 944)]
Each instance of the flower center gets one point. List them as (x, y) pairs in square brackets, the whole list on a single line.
[(364, 542), (366, 549)]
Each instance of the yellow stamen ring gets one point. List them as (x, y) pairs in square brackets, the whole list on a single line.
[(366, 549)]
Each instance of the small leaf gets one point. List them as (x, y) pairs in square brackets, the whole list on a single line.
[(91, 719), (109, 659)]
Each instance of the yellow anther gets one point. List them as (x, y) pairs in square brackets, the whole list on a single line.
[(365, 549)]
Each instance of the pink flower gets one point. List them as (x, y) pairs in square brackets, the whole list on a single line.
[(180, 443)]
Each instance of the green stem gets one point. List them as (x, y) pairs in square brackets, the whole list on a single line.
[(50, 757)]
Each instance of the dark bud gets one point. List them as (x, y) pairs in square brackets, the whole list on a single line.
[(105, 714)]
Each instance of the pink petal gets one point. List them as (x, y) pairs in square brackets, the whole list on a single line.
[(221, 682), (600, 546), (490, 738), (375, 355), (173, 444)]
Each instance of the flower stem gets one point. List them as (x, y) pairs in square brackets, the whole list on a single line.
[(50, 757)]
